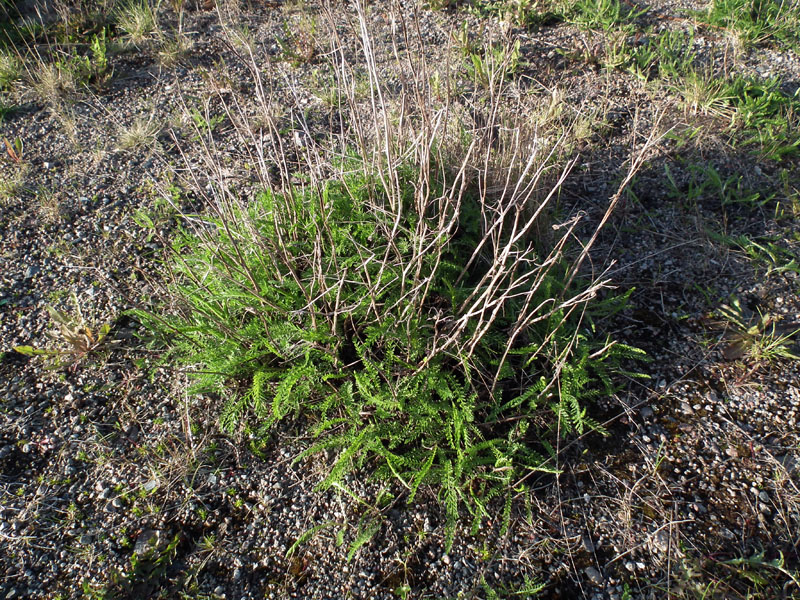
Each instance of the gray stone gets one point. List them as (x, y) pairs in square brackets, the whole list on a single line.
[(594, 575), (147, 541)]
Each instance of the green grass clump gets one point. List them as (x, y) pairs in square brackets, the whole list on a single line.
[(604, 15), (669, 56), (757, 21), (137, 20), (523, 13), (766, 117), (10, 69), (405, 339)]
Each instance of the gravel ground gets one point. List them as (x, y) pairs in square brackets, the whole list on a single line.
[(117, 483)]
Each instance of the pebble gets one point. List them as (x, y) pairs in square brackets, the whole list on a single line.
[(594, 575), (630, 566), (146, 541)]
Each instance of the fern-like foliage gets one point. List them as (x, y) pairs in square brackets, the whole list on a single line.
[(381, 329)]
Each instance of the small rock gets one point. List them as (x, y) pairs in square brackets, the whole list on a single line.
[(147, 541), (763, 496), (594, 575), (646, 412), (630, 566), (31, 271), (661, 541)]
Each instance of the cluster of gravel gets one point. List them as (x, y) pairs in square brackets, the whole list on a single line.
[(115, 479)]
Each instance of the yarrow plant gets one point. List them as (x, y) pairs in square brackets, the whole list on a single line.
[(405, 307)]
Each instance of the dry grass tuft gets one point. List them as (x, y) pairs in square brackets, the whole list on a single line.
[(142, 133)]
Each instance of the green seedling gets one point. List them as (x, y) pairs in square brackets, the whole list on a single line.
[(298, 46), (77, 339), (495, 63), (756, 337), (14, 150), (758, 569), (205, 124)]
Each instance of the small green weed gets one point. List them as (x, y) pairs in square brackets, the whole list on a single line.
[(606, 15), (100, 72), (705, 182), (77, 338), (669, 55), (494, 63), (205, 123), (529, 588), (762, 572), (15, 150), (147, 567), (763, 252), (298, 45), (703, 93), (757, 337), (765, 117), (522, 13)]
